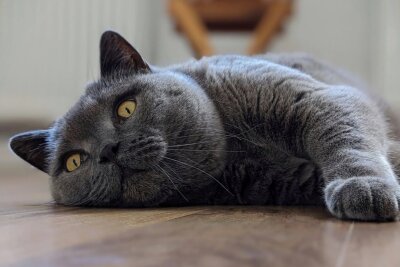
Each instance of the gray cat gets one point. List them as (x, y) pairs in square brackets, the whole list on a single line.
[(272, 129)]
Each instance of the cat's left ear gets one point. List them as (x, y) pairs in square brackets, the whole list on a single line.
[(32, 147), (118, 56)]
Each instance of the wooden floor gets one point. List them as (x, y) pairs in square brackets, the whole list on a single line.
[(34, 232)]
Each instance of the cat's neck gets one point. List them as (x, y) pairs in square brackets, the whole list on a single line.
[(229, 90)]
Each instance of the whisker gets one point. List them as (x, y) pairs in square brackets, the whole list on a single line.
[(92, 194), (224, 133), (99, 188), (172, 170), (169, 178), (206, 173), (191, 144), (50, 202), (200, 128), (105, 190), (207, 150)]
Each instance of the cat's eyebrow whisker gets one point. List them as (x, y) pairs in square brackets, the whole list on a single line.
[(169, 178), (206, 173)]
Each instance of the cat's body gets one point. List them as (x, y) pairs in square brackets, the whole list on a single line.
[(274, 129), (264, 170), (267, 108)]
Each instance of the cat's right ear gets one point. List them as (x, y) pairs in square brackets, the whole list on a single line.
[(32, 147), (118, 56)]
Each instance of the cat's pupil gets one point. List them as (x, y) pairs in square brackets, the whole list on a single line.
[(127, 110), (74, 161)]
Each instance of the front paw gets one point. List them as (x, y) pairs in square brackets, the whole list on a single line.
[(363, 198)]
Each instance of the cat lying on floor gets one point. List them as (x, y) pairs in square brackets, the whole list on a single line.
[(268, 129)]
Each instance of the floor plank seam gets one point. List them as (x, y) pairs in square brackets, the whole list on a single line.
[(343, 251)]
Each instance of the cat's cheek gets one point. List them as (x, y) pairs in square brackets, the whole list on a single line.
[(54, 193), (143, 190), (66, 191)]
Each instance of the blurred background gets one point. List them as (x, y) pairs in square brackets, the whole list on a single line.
[(49, 48)]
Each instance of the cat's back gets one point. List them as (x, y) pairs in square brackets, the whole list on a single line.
[(326, 73), (249, 71), (276, 92)]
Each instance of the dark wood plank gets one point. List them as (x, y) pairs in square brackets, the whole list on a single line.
[(373, 244), (32, 227), (218, 236), (35, 232)]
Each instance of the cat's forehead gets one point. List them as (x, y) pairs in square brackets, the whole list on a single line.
[(91, 115), (83, 119), (105, 90)]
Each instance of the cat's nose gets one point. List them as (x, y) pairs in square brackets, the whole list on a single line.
[(108, 153)]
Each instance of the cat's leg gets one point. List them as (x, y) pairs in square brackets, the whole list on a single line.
[(394, 157), (372, 196), (348, 141)]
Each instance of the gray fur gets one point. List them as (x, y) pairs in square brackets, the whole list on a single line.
[(273, 129)]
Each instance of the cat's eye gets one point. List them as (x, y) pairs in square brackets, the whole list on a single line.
[(73, 162), (126, 108)]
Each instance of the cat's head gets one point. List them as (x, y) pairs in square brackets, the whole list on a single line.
[(139, 136)]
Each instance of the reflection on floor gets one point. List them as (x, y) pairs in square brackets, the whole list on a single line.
[(35, 232)]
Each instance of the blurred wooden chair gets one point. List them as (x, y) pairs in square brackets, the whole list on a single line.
[(196, 18)]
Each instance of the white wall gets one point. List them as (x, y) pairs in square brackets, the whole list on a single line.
[(336, 30), (385, 52), (362, 36), (49, 48)]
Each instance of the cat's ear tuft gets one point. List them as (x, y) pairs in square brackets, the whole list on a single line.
[(118, 56), (32, 147)]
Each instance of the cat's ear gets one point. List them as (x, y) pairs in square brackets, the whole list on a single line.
[(117, 55), (32, 147)]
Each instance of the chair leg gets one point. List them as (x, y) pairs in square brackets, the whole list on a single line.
[(269, 25), (192, 26)]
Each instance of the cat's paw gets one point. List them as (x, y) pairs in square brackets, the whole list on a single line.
[(363, 198)]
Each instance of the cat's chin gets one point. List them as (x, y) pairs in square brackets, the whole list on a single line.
[(141, 188)]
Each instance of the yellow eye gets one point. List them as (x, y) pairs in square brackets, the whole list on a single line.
[(126, 108), (73, 162)]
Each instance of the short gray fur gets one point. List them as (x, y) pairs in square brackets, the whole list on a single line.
[(271, 129)]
